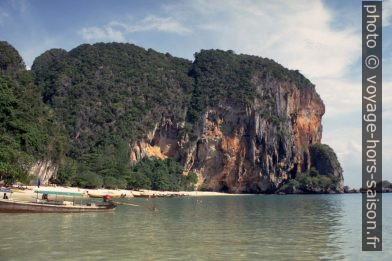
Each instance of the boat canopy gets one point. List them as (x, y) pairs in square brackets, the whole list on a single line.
[(62, 193)]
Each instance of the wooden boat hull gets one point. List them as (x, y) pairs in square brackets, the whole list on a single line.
[(10, 206), (91, 195)]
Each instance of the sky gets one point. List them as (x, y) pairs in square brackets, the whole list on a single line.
[(322, 39)]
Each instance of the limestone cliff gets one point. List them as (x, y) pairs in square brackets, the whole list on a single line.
[(254, 147), (242, 123), (240, 149), (44, 170)]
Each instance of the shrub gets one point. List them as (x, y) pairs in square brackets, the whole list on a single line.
[(88, 179), (9, 173), (110, 182), (138, 180), (157, 174), (66, 173), (310, 181)]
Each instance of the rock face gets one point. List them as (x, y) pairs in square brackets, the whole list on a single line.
[(241, 150), (44, 170), (253, 148)]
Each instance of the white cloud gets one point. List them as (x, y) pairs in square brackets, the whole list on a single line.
[(153, 23), (346, 138), (351, 147), (102, 34), (341, 96), (297, 34), (116, 31)]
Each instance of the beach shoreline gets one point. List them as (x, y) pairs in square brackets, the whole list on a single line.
[(30, 191)]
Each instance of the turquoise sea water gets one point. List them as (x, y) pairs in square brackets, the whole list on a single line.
[(260, 227)]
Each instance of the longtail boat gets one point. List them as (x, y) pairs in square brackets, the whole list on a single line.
[(54, 206)]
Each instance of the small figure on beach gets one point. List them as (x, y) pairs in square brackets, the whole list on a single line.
[(5, 196)]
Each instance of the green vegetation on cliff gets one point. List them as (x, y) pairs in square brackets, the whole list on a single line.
[(223, 77), (310, 181), (107, 96), (322, 177), (10, 60), (83, 109), (103, 91), (324, 159), (150, 173), (28, 131)]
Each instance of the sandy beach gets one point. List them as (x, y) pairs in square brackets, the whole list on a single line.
[(29, 192)]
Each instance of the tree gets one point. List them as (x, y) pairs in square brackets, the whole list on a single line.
[(88, 179), (157, 174), (28, 130), (138, 180), (67, 173)]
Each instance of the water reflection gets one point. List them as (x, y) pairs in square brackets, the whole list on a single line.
[(296, 227)]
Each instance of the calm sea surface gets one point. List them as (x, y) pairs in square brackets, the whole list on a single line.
[(262, 227)]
